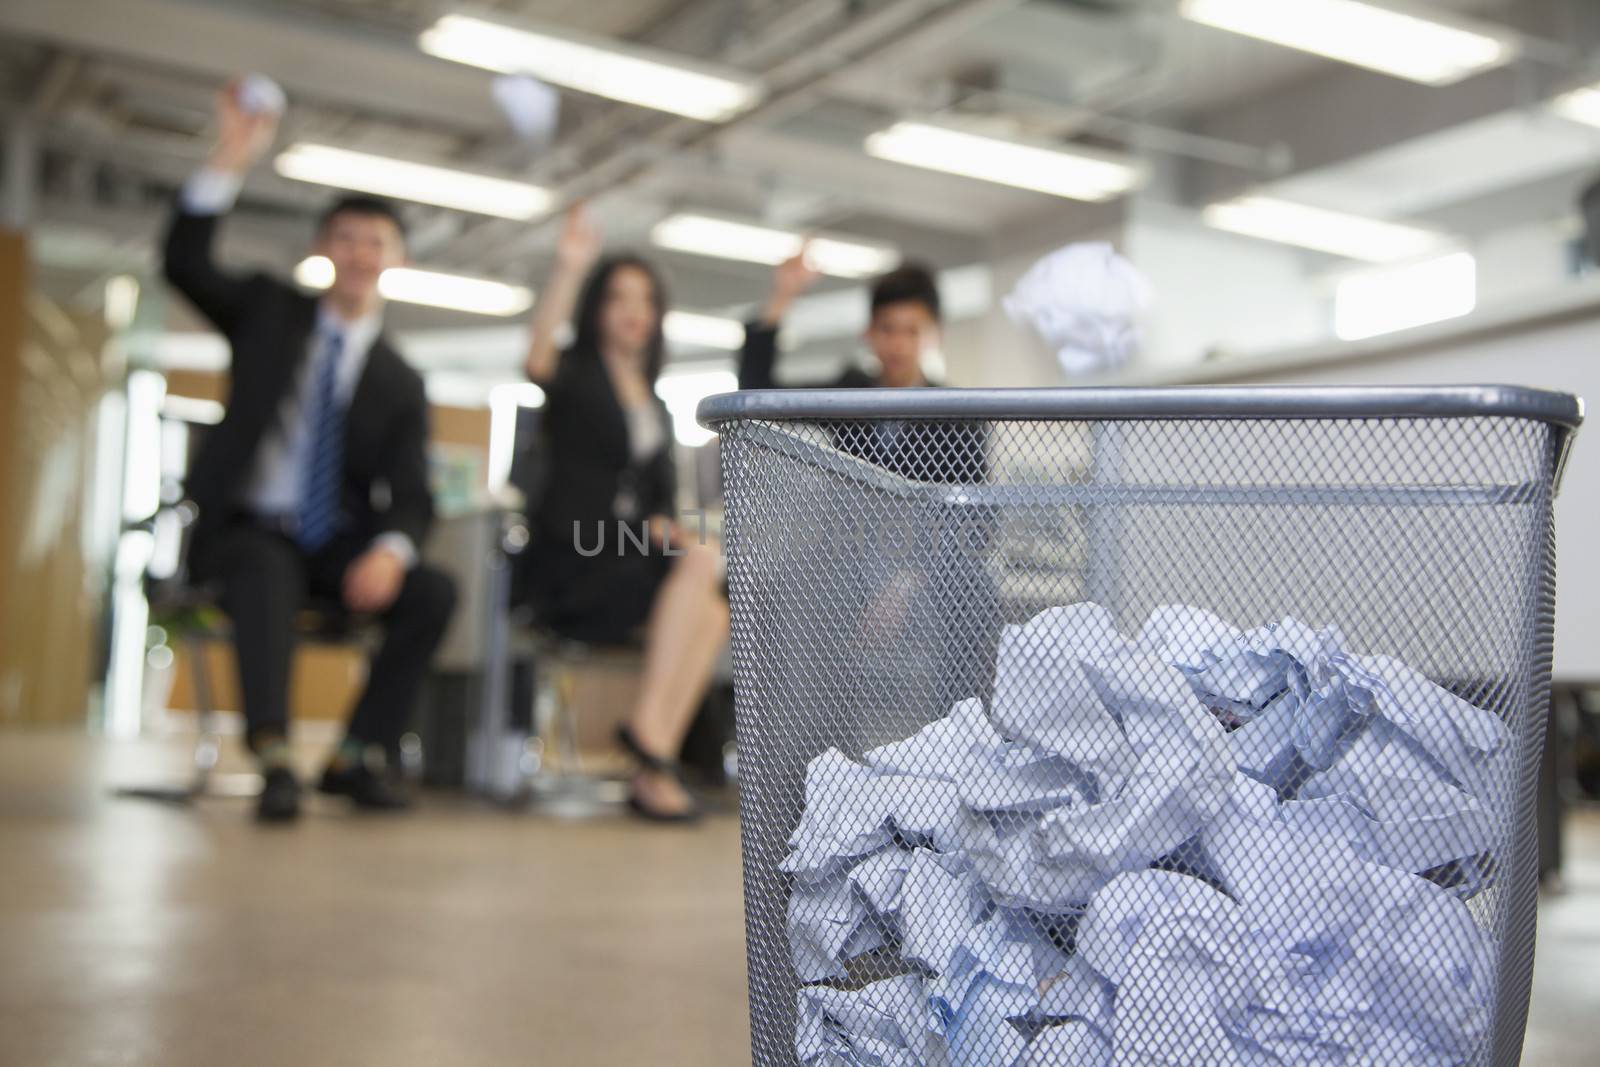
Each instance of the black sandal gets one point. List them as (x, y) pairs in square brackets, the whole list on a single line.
[(649, 761)]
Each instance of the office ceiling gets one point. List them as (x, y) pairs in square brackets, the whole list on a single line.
[(116, 95)]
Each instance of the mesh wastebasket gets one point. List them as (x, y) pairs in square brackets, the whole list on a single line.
[(1187, 726)]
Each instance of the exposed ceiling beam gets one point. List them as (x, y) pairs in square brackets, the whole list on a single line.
[(54, 85), (323, 58), (166, 160), (793, 85), (918, 197), (1328, 117)]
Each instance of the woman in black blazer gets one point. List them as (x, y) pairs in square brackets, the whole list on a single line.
[(608, 557)]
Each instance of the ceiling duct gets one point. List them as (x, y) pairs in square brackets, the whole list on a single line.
[(1094, 7)]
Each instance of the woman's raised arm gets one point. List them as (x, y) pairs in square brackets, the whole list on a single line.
[(576, 252)]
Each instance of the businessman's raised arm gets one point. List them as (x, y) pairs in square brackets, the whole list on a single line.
[(187, 258)]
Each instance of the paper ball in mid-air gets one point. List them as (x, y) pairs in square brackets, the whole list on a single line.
[(260, 95), (1086, 302), (531, 107)]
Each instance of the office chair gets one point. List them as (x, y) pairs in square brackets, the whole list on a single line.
[(555, 779), (193, 612)]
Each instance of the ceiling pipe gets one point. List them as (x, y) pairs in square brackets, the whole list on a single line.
[(791, 86), (1267, 160)]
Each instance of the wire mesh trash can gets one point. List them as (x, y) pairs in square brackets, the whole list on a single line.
[(1181, 726)]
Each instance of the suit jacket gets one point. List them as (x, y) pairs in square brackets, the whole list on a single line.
[(588, 481), (587, 460), (268, 324), (924, 451), (758, 361)]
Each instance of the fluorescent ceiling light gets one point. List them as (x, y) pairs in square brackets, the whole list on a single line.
[(692, 329), (630, 74), (457, 292), (403, 180), (1580, 105), (1385, 299), (457, 389), (192, 409), (314, 272), (1417, 48), (409, 285), (1078, 174), (121, 301), (682, 392), (708, 235), (1316, 228), (520, 394)]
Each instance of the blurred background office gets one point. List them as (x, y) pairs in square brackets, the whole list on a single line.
[(1310, 192)]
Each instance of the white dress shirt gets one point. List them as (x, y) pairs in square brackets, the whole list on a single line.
[(277, 481)]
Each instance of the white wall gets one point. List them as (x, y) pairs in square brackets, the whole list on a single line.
[(1558, 354), (1217, 290), (990, 350), (1522, 261), (1211, 289)]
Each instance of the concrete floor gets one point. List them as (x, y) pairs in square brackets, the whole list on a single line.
[(133, 934)]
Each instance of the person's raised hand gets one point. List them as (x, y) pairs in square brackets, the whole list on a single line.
[(243, 135), (790, 279), (796, 274), (580, 242)]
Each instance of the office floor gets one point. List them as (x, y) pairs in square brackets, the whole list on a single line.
[(133, 934)]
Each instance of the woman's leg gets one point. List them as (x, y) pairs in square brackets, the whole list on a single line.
[(693, 675), (687, 626)]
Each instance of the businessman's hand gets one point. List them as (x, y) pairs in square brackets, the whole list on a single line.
[(373, 580), (243, 137)]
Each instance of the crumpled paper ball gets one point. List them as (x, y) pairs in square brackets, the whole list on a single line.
[(259, 94), (532, 108), (1086, 302), (1110, 866)]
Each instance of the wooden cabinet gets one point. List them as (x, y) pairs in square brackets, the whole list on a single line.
[(51, 383)]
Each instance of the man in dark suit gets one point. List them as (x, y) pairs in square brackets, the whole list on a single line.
[(904, 324), (316, 480)]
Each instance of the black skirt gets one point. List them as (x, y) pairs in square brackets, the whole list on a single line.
[(598, 599)]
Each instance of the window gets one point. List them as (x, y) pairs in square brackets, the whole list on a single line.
[(1385, 299)]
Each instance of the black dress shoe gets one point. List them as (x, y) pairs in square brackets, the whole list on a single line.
[(361, 785), (280, 796)]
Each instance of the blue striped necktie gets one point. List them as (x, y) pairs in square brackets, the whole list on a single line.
[(324, 459)]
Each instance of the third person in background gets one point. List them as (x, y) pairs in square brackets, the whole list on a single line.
[(901, 605), (903, 330)]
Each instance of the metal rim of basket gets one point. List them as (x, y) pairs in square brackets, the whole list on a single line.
[(1179, 402)]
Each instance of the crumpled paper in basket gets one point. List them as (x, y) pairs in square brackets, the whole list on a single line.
[(1107, 867), (1410, 770)]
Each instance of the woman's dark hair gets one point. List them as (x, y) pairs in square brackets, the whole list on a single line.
[(586, 324)]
